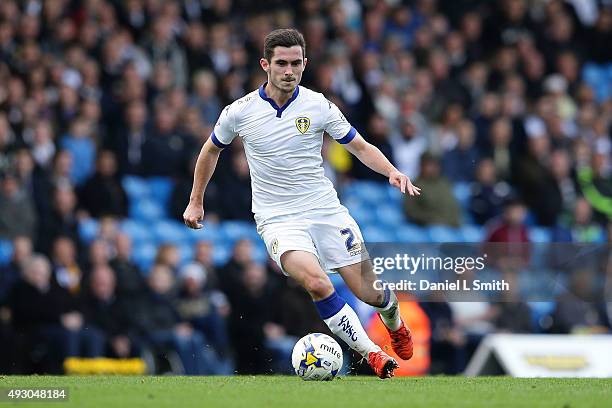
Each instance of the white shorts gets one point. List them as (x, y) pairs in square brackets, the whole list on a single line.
[(335, 239)]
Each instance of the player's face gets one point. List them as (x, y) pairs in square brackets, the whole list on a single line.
[(286, 68)]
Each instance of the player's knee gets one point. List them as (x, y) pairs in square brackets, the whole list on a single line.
[(319, 287)]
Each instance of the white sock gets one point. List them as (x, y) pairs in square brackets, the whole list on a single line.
[(389, 311), (344, 323)]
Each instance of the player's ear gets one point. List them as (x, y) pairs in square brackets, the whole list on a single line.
[(305, 61), (265, 65)]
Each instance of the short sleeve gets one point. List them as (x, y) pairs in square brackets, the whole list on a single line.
[(224, 131), (336, 124)]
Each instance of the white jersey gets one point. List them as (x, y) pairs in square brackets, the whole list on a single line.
[(283, 149)]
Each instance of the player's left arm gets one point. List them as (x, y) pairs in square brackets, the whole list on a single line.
[(372, 157)]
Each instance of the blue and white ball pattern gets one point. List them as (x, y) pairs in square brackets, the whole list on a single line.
[(317, 357)]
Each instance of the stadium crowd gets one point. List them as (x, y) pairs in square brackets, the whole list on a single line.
[(512, 98)]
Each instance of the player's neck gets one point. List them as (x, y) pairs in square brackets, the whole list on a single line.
[(277, 95)]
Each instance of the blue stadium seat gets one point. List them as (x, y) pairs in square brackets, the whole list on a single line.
[(88, 229), (539, 310), (443, 233), (146, 209), (260, 253), (601, 235), (368, 191), (135, 187), (138, 231), (530, 219), (143, 255), (186, 252), (597, 77), (462, 192), (394, 195), (221, 254), (160, 189), (6, 251), (235, 230), (210, 232), (374, 233), (170, 231), (472, 233), (410, 233), (389, 215), (539, 234), (362, 213)]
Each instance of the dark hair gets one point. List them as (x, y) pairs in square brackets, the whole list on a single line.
[(283, 37)]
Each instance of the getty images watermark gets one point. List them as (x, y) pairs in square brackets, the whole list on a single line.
[(411, 265), (496, 272)]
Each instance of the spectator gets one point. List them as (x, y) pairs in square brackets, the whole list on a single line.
[(10, 273), (203, 255), (488, 193), (500, 150), (509, 229), (205, 99), (212, 196), (168, 255), (580, 228), (107, 313), (409, 145), (164, 151), (458, 163), (448, 340), (231, 273), (66, 270), (536, 183), (597, 186), (203, 311), (254, 324), (62, 221), (79, 143), (163, 47), (47, 315), (129, 279), (236, 194), (577, 310), (30, 178), (378, 135), (103, 193), (560, 166), (128, 143), (157, 320), (17, 212), (99, 254), (439, 205), (196, 46)]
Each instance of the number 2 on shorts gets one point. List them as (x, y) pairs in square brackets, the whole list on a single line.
[(349, 239)]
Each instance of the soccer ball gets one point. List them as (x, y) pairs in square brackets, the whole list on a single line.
[(317, 357)]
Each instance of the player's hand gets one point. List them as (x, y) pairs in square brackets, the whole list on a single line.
[(194, 213), (402, 181)]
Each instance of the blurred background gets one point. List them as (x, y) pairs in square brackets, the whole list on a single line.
[(501, 111)]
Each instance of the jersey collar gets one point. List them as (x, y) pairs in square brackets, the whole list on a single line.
[(279, 110)]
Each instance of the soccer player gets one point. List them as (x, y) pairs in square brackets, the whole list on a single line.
[(298, 215)]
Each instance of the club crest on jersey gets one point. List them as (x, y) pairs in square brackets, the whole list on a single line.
[(302, 124)]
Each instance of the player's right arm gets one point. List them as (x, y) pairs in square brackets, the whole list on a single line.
[(222, 136), (205, 167)]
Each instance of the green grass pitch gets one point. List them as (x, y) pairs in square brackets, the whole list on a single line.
[(291, 392)]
